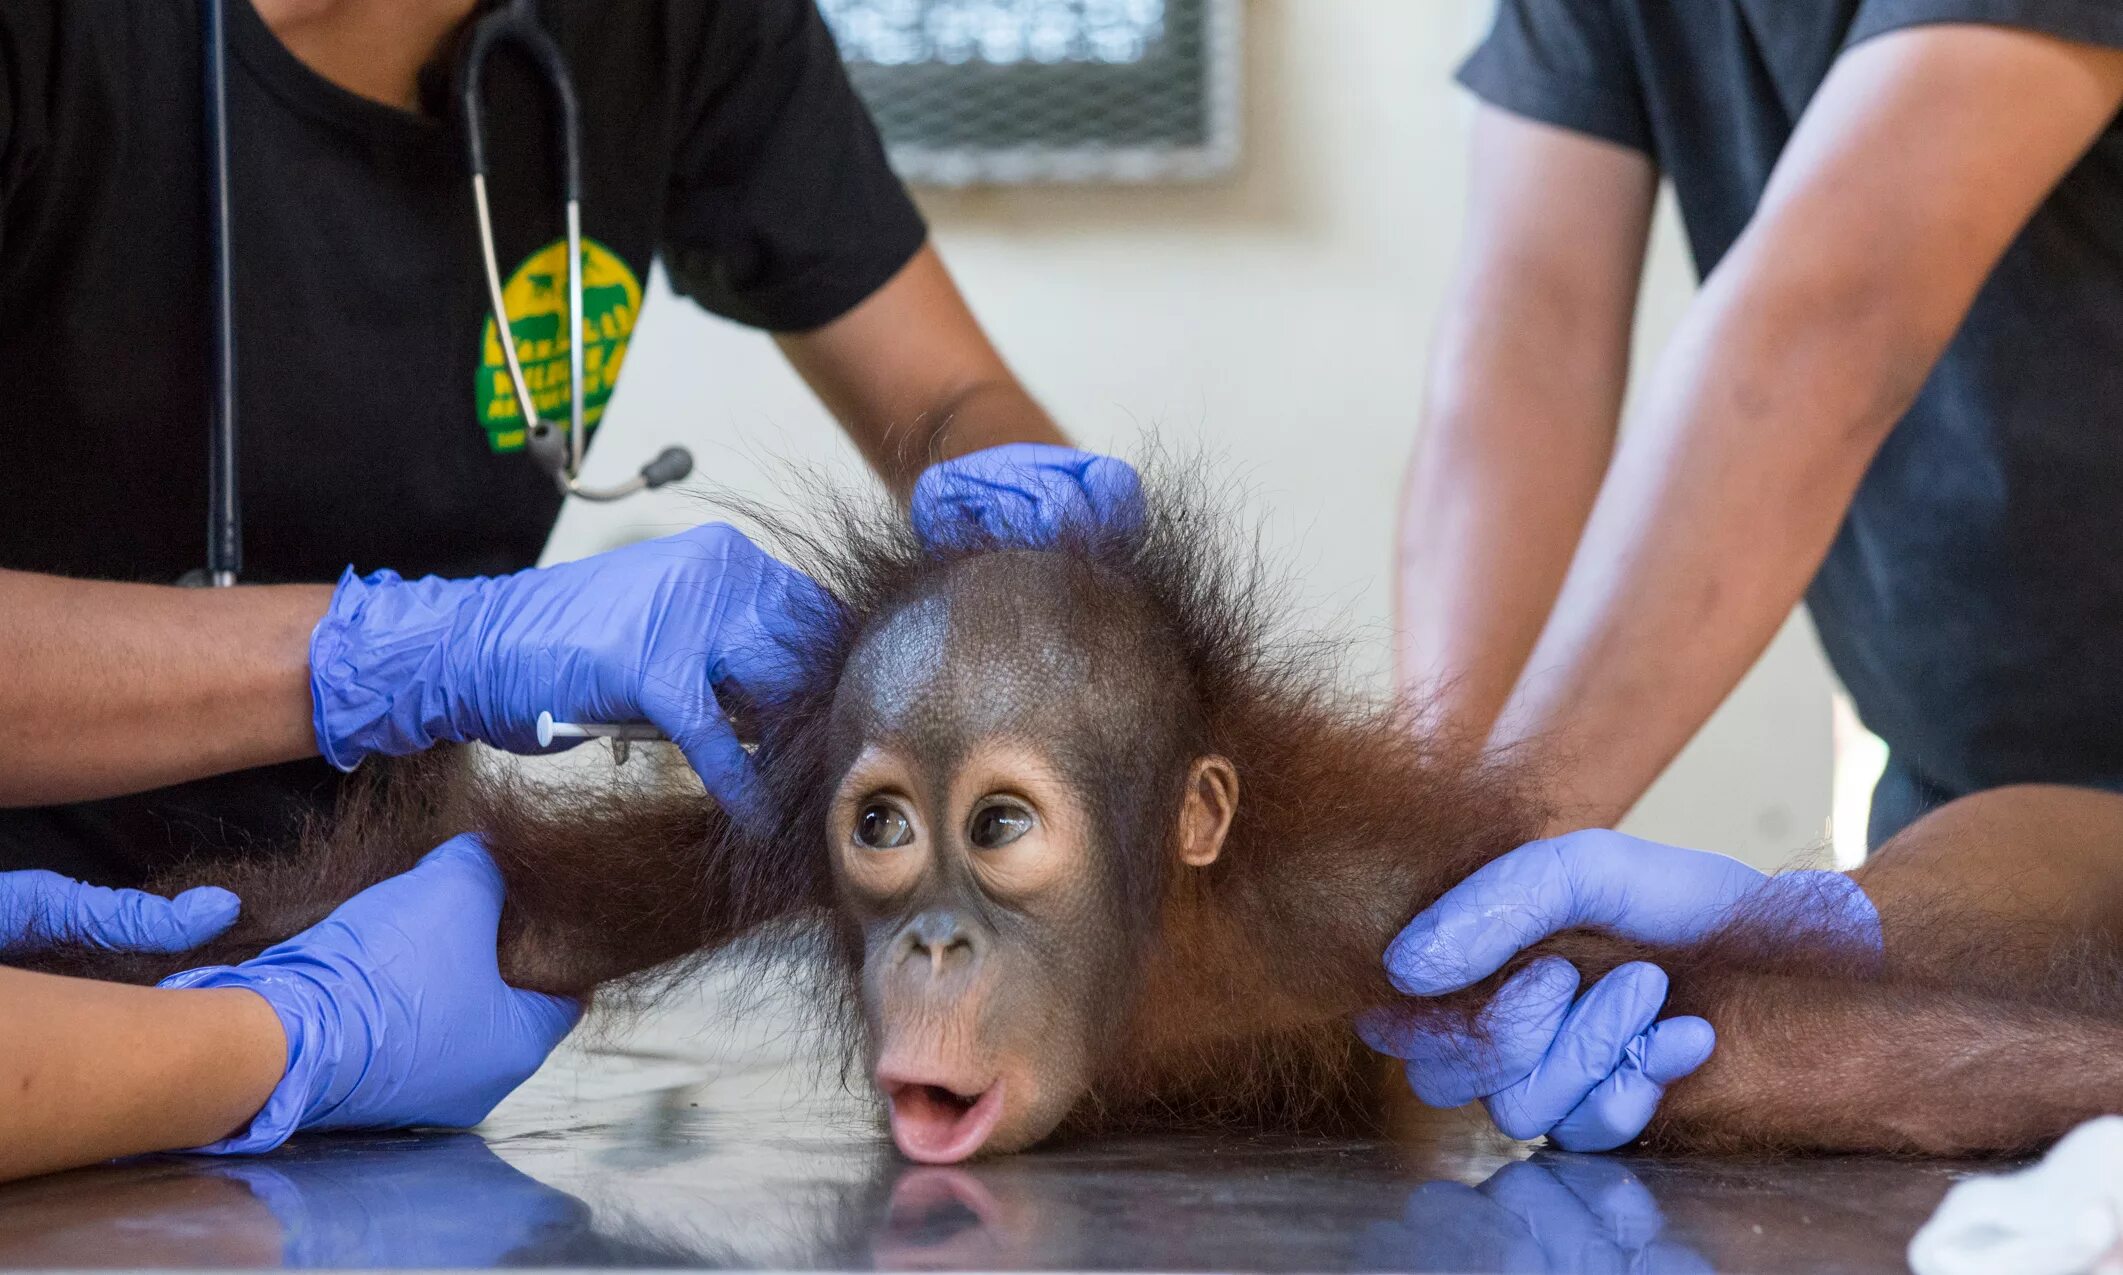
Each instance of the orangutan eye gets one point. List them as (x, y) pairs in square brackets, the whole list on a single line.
[(883, 827), (997, 825)]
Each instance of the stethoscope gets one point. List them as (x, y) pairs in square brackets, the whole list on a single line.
[(560, 455)]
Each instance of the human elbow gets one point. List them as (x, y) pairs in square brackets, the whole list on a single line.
[(1830, 343)]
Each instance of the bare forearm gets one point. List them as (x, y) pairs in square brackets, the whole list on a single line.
[(979, 416), (1917, 163), (94, 1070), (913, 379), (1492, 512), (1723, 500), (115, 688), (1524, 395)]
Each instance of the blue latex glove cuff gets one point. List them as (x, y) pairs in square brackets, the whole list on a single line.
[(1833, 902), (394, 1007), (313, 1050), (379, 665)]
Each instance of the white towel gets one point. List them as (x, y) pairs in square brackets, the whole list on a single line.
[(2063, 1216)]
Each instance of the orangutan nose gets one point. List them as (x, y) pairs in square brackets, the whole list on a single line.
[(943, 941)]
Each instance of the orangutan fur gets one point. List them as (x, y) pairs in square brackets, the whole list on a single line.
[(1238, 1007)]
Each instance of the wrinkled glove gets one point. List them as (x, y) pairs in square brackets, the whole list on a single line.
[(394, 1007), (652, 631), (39, 908), (1025, 493), (1587, 1071)]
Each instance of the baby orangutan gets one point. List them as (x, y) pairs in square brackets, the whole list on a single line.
[(1079, 843)]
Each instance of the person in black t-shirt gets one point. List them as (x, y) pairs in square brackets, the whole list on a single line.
[(146, 723), (1896, 398)]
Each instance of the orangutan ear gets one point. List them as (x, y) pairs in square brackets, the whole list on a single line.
[(1204, 818)]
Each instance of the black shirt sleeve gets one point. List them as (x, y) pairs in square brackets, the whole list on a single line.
[(2086, 21), (784, 214), (1566, 63)]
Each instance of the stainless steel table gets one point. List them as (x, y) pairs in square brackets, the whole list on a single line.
[(715, 1151)]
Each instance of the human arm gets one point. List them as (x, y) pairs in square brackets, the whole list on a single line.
[(786, 215), (1523, 399), (126, 687), (393, 1008), (391, 1012), (913, 379), (1918, 162), (115, 688), (112, 1071)]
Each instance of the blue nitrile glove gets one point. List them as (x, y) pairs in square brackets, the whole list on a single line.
[(649, 632), (394, 1007), (1587, 1071), (1025, 492), (39, 908)]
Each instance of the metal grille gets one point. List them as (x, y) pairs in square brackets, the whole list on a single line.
[(1020, 91)]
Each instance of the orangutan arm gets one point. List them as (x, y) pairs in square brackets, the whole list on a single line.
[(1806, 1065), (605, 883), (1996, 1024)]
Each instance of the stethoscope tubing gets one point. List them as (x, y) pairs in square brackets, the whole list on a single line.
[(515, 22), (224, 531)]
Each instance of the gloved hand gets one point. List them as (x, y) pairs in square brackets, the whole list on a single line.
[(1586, 1071), (652, 631), (394, 1007), (39, 908), (1024, 492)]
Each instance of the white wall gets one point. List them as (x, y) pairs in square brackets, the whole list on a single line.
[(1280, 315)]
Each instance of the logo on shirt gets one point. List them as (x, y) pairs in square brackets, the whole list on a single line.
[(536, 297)]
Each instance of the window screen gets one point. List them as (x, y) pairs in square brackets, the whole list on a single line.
[(1002, 91)]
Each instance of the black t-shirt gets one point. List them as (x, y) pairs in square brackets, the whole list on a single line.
[(720, 136), (1973, 600)]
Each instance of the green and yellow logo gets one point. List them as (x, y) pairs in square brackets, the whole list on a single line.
[(537, 300)]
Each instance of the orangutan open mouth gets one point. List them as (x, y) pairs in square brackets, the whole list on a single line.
[(939, 1124)]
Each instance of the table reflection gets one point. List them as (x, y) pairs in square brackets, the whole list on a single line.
[(716, 1194)]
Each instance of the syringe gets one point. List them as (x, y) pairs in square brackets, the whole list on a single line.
[(620, 733)]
